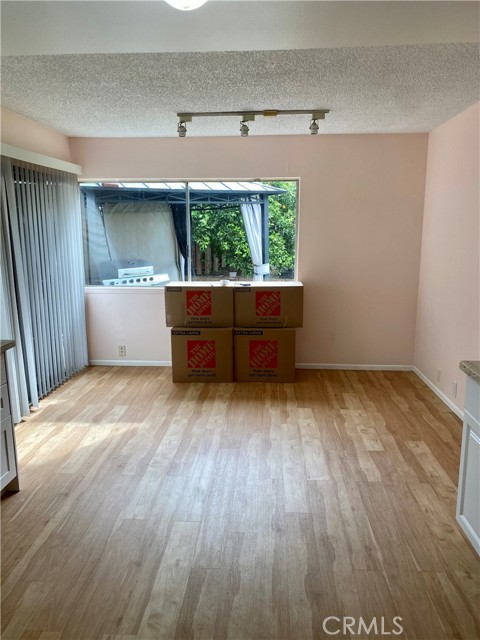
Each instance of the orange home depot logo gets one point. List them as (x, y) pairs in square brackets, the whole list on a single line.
[(201, 354), (267, 303), (199, 303), (263, 354)]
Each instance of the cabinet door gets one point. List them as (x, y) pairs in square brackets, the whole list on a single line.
[(468, 505), (4, 402), (8, 459)]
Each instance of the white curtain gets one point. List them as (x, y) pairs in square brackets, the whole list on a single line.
[(42, 280), (252, 219)]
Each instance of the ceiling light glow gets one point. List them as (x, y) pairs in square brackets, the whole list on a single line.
[(186, 5)]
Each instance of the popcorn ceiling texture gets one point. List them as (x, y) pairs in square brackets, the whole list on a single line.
[(368, 89)]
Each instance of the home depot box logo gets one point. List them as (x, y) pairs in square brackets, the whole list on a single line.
[(199, 303), (268, 303), (194, 354), (263, 354), (201, 354)]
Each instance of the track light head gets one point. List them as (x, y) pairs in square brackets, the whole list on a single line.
[(244, 129), (313, 127), (181, 129)]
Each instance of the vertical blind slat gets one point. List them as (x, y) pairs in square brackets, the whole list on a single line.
[(76, 230), (49, 346), (50, 284), (62, 276), (72, 194), (65, 269), (45, 345), (23, 206), (31, 251)]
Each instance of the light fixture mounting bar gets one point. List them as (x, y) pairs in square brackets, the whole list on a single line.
[(249, 116), (316, 114)]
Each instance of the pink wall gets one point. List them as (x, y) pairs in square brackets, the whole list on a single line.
[(361, 207), (134, 319), (19, 131), (448, 319)]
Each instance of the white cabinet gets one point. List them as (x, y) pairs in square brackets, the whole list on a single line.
[(8, 468), (468, 501)]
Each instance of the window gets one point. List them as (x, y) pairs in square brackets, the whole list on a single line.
[(139, 234)]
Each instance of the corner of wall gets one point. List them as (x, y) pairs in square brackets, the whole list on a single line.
[(447, 317), (19, 131)]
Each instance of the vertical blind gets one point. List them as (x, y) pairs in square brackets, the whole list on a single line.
[(42, 259)]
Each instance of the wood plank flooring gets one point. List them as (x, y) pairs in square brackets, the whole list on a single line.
[(150, 510)]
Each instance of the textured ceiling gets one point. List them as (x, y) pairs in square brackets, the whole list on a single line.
[(397, 88), (367, 89)]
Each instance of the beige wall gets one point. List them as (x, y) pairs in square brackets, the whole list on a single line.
[(134, 319), (448, 319), (361, 207), (32, 136)]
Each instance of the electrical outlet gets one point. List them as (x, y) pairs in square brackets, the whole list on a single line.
[(122, 350), (454, 389), (439, 375)]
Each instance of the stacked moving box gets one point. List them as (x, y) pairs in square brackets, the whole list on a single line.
[(266, 315), (201, 315), (243, 332)]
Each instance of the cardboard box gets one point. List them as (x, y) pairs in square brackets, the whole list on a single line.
[(198, 304), (268, 304), (264, 355), (202, 355)]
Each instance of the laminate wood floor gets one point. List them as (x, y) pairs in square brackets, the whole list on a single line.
[(150, 510)]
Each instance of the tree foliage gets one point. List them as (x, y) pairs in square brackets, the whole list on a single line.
[(223, 231)]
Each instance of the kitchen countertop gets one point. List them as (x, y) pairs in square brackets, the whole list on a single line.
[(6, 344), (471, 368)]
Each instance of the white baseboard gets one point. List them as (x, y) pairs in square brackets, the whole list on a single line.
[(132, 363), (470, 532), (356, 367), (298, 365), (440, 394)]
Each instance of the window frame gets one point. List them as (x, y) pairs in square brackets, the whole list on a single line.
[(188, 209)]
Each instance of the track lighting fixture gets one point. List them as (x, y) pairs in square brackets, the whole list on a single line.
[(186, 5), (244, 129), (181, 129), (249, 116)]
